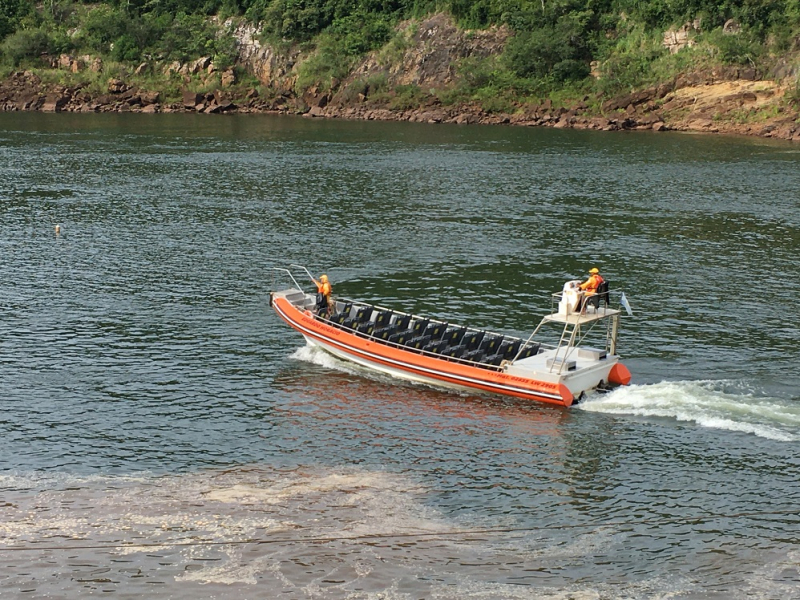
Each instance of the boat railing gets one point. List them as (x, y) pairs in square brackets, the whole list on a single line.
[(574, 298), (289, 273)]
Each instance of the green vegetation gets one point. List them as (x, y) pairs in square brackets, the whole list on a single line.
[(555, 45)]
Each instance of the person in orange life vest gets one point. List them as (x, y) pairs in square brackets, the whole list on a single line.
[(590, 286), (324, 291)]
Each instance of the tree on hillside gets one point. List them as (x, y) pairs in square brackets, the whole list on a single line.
[(11, 11)]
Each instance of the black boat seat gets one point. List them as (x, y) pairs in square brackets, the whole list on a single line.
[(601, 295), (455, 351), (420, 325), (345, 309), (436, 330), (402, 322), (473, 339), (474, 356), (436, 347), (494, 360), (528, 351), (490, 345), (383, 333), (400, 338), (367, 327), (383, 319), (509, 349), (363, 313), (453, 336), (339, 318), (419, 342)]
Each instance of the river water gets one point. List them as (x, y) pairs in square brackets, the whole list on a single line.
[(165, 435)]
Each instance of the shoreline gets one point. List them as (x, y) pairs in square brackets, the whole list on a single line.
[(734, 107)]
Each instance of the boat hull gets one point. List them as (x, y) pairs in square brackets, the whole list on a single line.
[(415, 366)]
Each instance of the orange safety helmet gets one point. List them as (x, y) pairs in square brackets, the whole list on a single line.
[(593, 270), (324, 278)]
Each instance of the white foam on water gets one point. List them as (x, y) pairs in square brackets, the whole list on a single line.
[(235, 570), (390, 502), (317, 356), (767, 581), (224, 527), (652, 589), (726, 405)]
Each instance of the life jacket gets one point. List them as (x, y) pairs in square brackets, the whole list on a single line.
[(324, 288), (591, 285)]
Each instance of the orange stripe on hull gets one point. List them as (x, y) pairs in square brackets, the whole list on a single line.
[(419, 365)]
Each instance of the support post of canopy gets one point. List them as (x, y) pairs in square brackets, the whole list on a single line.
[(530, 337), (614, 331)]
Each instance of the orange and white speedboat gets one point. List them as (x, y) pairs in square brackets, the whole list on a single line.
[(438, 353)]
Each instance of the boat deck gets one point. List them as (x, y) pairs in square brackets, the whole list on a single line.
[(591, 315)]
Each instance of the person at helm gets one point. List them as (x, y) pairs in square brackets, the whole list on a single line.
[(324, 291), (590, 286)]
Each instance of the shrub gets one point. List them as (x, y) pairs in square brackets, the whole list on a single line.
[(125, 49), (495, 101), (474, 13), (361, 32), (635, 60), (555, 51), (792, 96), (189, 36), (406, 97), (739, 49), (570, 70), (327, 63), (28, 43), (11, 11), (101, 27)]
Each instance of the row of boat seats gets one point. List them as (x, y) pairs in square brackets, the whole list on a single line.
[(438, 338), (505, 350)]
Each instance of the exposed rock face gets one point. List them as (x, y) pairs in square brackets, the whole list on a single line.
[(201, 64), (66, 62), (675, 40), (228, 78), (435, 50), (430, 56), (55, 103), (191, 99), (731, 27), (116, 86), (270, 68)]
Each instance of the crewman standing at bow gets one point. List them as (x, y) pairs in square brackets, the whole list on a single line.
[(324, 291)]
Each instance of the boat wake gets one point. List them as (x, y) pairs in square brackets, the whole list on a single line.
[(317, 356), (725, 405), (720, 404)]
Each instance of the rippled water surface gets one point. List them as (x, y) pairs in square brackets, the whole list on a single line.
[(165, 435)]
